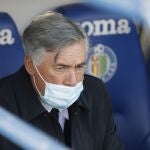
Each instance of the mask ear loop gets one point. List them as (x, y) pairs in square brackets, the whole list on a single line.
[(36, 86), (35, 81), (39, 73)]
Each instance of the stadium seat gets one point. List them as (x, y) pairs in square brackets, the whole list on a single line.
[(11, 48), (116, 57)]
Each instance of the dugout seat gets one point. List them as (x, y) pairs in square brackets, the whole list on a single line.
[(11, 47), (116, 57)]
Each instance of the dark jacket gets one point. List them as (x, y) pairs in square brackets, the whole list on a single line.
[(92, 124)]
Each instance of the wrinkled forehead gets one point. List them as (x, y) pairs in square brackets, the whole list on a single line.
[(74, 52)]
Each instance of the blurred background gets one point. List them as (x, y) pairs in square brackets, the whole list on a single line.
[(30, 8), (121, 60)]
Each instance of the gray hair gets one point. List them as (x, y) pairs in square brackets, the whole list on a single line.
[(51, 32)]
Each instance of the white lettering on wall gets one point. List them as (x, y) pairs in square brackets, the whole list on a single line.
[(6, 37), (106, 27)]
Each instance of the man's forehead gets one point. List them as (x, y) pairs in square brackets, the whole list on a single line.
[(75, 52), (69, 59)]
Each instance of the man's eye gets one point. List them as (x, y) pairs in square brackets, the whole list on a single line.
[(80, 67), (60, 69)]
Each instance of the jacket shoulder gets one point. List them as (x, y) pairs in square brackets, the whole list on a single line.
[(5, 85), (95, 90), (93, 82), (7, 95)]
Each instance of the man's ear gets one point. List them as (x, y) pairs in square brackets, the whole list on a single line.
[(28, 62)]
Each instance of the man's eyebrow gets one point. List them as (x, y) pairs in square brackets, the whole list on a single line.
[(82, 63), (65, 65)]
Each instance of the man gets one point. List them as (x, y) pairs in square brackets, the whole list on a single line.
[(52, 80)]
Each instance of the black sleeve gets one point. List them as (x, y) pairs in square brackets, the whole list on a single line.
[(111, 139), (6, 99), (104, 131)]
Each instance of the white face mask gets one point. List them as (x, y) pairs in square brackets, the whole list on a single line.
[(59, 96)]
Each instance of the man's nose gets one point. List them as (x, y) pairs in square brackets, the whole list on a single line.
[(71, 79)]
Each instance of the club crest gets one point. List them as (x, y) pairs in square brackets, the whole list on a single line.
[(101, 62)]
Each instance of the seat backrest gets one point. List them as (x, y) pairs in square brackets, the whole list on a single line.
[(11, 48), (117, 59)]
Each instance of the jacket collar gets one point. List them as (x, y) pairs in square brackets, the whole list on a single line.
[(28, 99), (83, 102)]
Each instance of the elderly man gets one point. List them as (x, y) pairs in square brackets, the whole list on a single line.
[(51, 91)]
